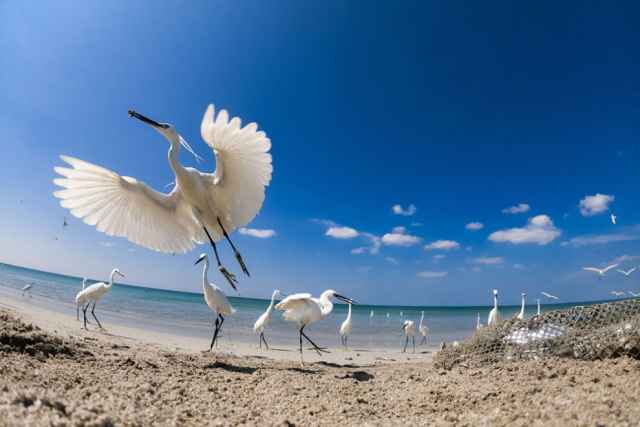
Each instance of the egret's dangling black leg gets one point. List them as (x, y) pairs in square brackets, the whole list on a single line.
[(94, 314), (231, 278), (301, 345), (84, 313), (260, 341), (317, 348), (424, 340), (243, 266), (406, 342), (215, 333), (265, 340), (413, 340)]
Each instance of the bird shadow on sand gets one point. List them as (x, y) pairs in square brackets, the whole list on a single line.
[(230, 368)]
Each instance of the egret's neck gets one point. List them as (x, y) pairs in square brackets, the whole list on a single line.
[(205, 271), (538, 307), (273, 301), (327, 305), (522, 306), (421, 318), (495, 302), (113, 273), (174, 158), (349, 313)]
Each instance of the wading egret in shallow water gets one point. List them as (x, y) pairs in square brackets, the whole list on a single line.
[(494, 314), (27, 289), (548, 295), (201, 206), (628, 272), (93, 294), (478, 322), (601, 271), (409, 329), (215, 299), (538, 302), (265, 318), (84, 285), (345, 328), (520, 315), (423, 329), (304, 310)]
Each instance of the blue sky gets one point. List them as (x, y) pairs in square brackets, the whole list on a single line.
[(459, 110)]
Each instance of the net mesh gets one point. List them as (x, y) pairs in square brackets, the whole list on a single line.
[(582, 332)]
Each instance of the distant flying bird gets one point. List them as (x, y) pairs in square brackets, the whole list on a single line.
[(633, 294), (548, 295), (84, 285), (215, 299), (345, 328), (628, 272), (93, 294), (304, 310), (601, 271), (265, 318), (520, 315), (478, 322), (409, 329), (200, 206), (423, 329), (27, 289), (617, 293), (613, 219), (494, 314)]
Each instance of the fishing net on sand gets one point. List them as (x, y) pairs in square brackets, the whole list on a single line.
[(592, 332)]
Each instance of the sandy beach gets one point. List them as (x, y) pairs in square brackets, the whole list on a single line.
[(53, 373)]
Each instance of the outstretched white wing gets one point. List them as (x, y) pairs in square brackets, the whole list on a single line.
[(123, 206), (604, 270), (597, 270), (243, 166)]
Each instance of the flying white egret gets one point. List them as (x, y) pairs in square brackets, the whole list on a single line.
[(478, 322), (304, 310), (93, 294), (548, 295), (614, 219), (520, 315), (345, 328), (27, 289), (84, 285), (494, 314), (601, 271), (538, 302), (265, 318), (633, 294), (409, 329), (423, 329), (215, 299), (201, 205), (617, 293), (628, 272)]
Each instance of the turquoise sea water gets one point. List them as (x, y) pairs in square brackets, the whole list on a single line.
[(187, 314)]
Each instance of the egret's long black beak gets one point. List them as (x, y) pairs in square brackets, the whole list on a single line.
[(198, 261), (345, 299), (146, 120)]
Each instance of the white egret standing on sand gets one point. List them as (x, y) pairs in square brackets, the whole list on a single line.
[(84, 285), (409, 329), (304, 310), (628, 272), (494, 314), (265, 318), (201, 205), (478, 322), (520, 315), (93, 294), (345, 328), (538, 302), (27, 289), (423, 329), (215, 299), (548, 295), (601, 271)]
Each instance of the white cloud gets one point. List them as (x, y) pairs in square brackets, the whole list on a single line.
[(374, 245), (359, 251), (539, 230), (325, 222), (488, 260), (391, 260), (600, 239), (342, 232), (399, 237), (256, 232), (474, 226), (517, 209), (623, 258), (431, 274), (438, 257), (107, 244), (596, 204), (445, 245), (399, 210)]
